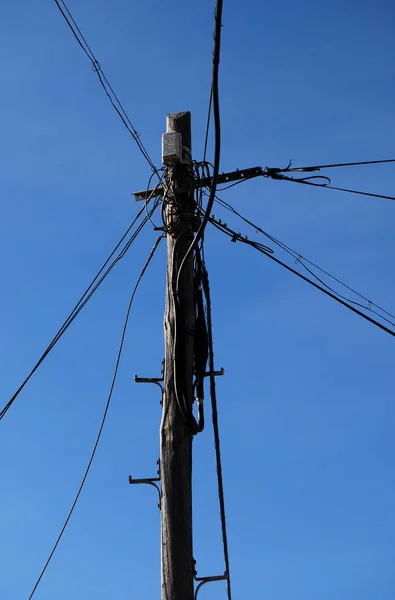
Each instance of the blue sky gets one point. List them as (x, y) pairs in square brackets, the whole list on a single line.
[(306, 405)]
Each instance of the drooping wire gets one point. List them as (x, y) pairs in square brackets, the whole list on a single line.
[(237, 237), (114, 377), (302, 260), (289, 168), (115, 102), (217, 137), (179, 385), (214, 410), (152, 195), (91, 289), (181, 388), (306, 181)]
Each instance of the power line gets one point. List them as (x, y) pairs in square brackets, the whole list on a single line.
[(217, 135), (306, 181), (331, 187), (115, 102), (214, 410), (208, 124), (214, 100), (237, 237), (289, 168), (91, 289), (324, 182), (217, 120), (275, 173), (302, 259), (222, 189), (103, 418)]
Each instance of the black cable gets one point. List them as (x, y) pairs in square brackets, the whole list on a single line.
[(152, 195), (97, 67), (103, 418), (91, 289), (300, 258), (181, 389), (208, 124), (214, 410), (319, 167), (237, 237), (103, 80), (222, 189), (331, 187), (200, 339), (217, 136)]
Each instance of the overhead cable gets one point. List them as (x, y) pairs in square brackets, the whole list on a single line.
[(181, 387), (214, 411), (115, 102), (114, 377), (325, 182), (217, 136), (289, 168), (326, 185), (300, 259), (91, 289), (208, 124), (238, 237)]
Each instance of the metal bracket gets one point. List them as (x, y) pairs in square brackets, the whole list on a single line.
[(215, 373), (149, 481), (204, 580), (237, 175), (156, 380)]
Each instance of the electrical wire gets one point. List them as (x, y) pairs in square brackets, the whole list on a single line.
[(181, 394), (222, 189), (237, 237), (331, 187), (183, 398), (91, 289), (149, 196), (302, 259), (217, 137), (115, 102), (126, 321), (327, 186), (208, 124), (214, 410), (319, 167)]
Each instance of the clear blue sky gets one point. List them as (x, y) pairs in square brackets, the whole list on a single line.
[(307, 404)]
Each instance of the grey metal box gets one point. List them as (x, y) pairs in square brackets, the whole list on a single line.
[(171, 147)]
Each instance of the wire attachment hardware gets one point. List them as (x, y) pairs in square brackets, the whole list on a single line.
[(155, 380), (149, 481), (204, 580), (215, 373)]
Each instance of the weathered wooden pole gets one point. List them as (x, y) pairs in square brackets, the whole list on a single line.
[(177, 566)]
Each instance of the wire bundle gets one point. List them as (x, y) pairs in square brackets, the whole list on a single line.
[(113, 98), (237, 237), (101, 275)]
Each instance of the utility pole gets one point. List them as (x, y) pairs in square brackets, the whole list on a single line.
[(177, 565)]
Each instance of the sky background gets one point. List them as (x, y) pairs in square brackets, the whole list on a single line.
[(306, 406)]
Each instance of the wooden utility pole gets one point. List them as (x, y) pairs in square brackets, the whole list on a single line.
[(177, 567)]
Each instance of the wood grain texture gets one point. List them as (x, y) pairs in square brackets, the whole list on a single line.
[(176, 439)]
